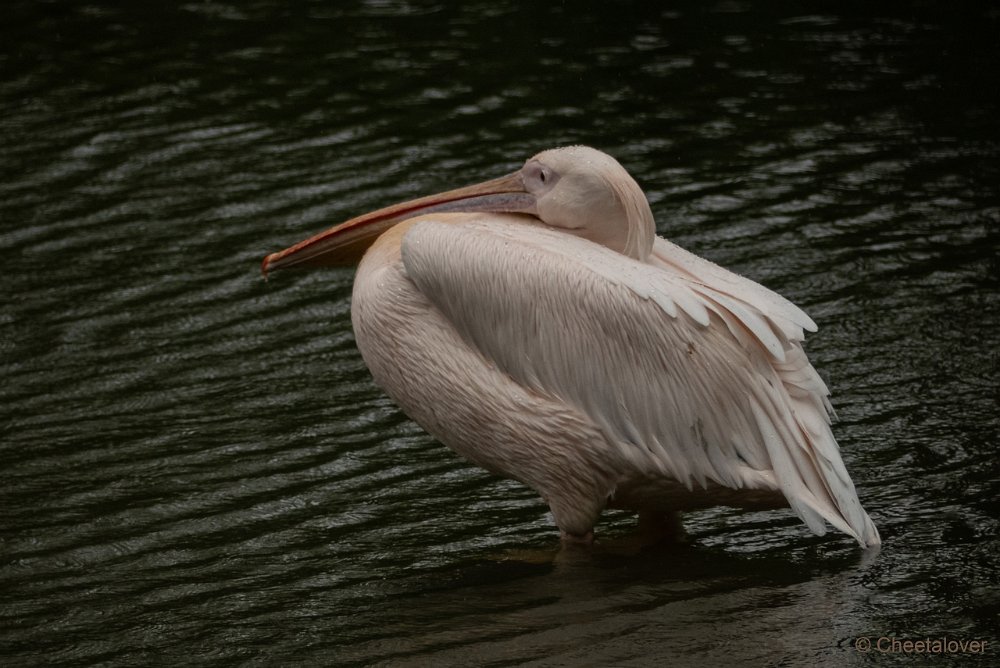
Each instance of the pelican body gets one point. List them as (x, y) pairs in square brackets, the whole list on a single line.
[(538, 326)]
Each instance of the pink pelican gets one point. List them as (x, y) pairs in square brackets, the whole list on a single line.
[(538, 326)]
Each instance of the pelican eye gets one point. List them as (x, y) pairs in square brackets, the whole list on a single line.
[(542, 176)]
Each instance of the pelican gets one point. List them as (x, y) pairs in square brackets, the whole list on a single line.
[(537, 325)]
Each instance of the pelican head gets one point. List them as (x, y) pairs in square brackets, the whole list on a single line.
[(575, 188), (589, 194)]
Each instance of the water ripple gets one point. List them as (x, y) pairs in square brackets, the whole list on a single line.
[(197, 463)]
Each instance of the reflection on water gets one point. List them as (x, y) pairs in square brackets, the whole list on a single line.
[(196, 462), (707, 604)]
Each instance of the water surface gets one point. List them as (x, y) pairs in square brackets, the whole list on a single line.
[(196, 464)]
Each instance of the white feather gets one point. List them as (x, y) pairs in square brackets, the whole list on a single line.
[(656, 355)]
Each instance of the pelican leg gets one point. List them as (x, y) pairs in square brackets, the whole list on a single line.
[(567, 538), (660, 528), (576, 506)]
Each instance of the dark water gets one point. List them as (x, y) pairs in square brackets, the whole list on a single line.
[(196, 465)]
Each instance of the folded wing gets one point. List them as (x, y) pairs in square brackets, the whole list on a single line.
[(689, 370)]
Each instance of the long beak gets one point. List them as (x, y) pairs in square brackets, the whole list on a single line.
[(346, 243)]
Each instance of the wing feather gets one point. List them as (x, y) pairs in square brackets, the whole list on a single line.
[(694, 374), (788, 317)]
